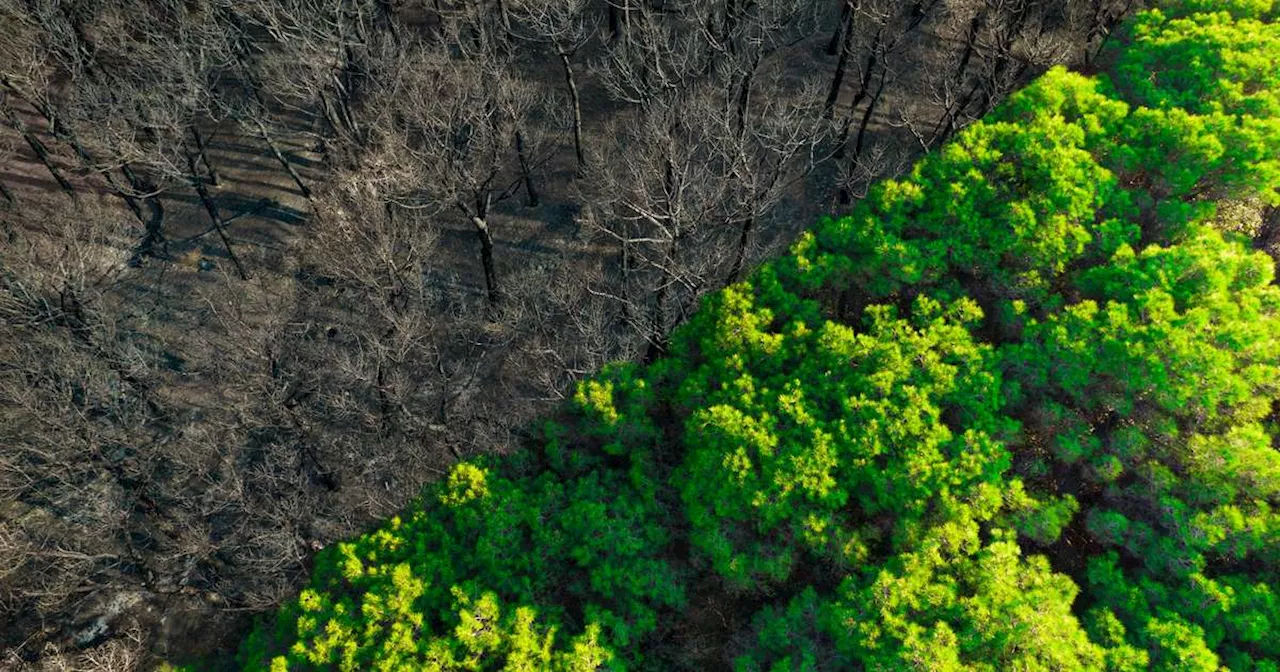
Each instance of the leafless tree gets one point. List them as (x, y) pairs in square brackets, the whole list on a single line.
[(690, 180), (323, 55), (566, 26), (11, 118), (878, 33), (72, 394), (34, 67), (660, 54), (456, 120), (1002, 44), (6, 154)]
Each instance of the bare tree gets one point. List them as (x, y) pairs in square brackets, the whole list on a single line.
[(566, 27), (11, 118), (879, 32), (743, 35), (455, 120), (34, 67), (689, 181), (6, 152), (156, 87), (71, 393), (661, 54), (1003, 43), (324, 56)]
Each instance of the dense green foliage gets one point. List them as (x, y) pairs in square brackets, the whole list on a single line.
[(1017, 410)]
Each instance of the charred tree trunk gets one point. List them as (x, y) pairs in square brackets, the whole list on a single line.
[(657, 335), (657, 325), (531, 194), (346, 89), (38, 147), (387, 19), (212, 209), (744, 95), (729, 25), (868, 71), (333, 126), (486, 258), (504, 19), (128, 200), (991, 88), (1100, 28), (154, 224), (84, 48), (866, 116), (837, 82), (864, 88), (297, 179), (740, 258), (615, 21), (844, 196), (42, 153), (386, 422), (335, 100), (576, 102), (970, 44), (624, 264), (843, 29), (947, 123), (204, 155), (946, 126)]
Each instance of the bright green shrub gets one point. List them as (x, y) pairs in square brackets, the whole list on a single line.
[(834, 429), (404, 595), (1204, 62), (1000, 211), (1213, 90), (1241, 9), (953, 604)]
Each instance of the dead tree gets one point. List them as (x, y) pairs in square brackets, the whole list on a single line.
[(1002, 45), (49, 71), (843, 28), (743, 35), (6, 152), (63, 130), (324, 57), (457, 117), (881, 31), (686, 185), (70, 391), (13, 120), (841, 46), (661, 55), (250, 107), (564, 26), (145, 105)]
